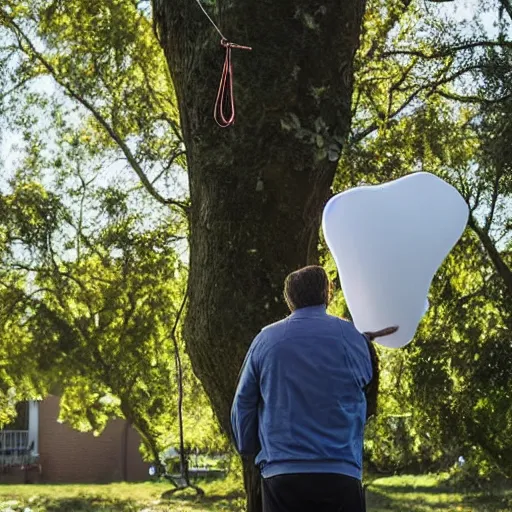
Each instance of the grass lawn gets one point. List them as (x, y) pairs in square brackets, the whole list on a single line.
[(431, 493), (394, 494)]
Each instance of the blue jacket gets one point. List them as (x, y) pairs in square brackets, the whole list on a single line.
[(300, 402)]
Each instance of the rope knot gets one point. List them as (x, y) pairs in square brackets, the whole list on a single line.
[(225, 112)]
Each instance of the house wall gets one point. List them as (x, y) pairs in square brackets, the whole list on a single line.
[(69, 456), (17, 475)]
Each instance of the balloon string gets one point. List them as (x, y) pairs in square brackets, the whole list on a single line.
[(225, 98), (225, 112)]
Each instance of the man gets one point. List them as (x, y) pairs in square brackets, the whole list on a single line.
[(300, 405)]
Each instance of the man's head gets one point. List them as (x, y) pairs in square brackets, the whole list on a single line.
[(308, 286)]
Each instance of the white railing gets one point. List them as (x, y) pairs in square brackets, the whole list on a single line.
[(14, 448)]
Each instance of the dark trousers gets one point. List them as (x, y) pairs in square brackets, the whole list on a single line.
[(312, 492)]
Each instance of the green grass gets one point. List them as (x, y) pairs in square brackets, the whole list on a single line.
[(147, 497), (433, 493), (427, 493)]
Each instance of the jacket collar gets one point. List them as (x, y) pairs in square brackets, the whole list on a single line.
[(310, 312)]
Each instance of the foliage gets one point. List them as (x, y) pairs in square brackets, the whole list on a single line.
[(109, 78), (92, 268), (440, 104), (90, 296)]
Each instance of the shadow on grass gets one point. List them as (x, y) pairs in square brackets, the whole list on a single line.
[(489, 500), (209, 501), (380, 498), (423, 499), (402, 499), (419, 489), (190, 502), (99, 500), (213, 498), (87, 504), (379, 502)]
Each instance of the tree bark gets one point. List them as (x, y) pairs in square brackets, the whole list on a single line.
[(258, 188)]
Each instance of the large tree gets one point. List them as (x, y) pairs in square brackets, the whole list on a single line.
[(257, 189)]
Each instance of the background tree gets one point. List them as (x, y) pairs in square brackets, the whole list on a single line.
[(93, 295), (438, 104)]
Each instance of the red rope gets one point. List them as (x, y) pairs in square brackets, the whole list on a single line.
[(225, 112)]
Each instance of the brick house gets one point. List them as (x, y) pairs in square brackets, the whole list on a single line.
[(37, 448)]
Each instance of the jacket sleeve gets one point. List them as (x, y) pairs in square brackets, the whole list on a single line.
[(358, 352), (244, 412)]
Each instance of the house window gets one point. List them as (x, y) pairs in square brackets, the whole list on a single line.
[(21, 420)]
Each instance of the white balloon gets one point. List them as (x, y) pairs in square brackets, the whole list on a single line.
[(388, 241)]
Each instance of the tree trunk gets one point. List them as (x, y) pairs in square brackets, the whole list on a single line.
[(252, 484), (257, 189)]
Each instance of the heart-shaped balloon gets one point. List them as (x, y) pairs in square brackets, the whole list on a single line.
[(388, 241)]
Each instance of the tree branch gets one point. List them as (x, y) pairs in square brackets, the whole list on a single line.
[(501, 267), (62, 273), (173, 158), (476, 202), (507, 6), (388, 25), (397, 85), (449, 51), (15, 87), (431, 89), (494, 198), (471, 99)]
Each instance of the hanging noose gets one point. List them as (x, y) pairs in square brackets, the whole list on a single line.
[(224, 111)]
